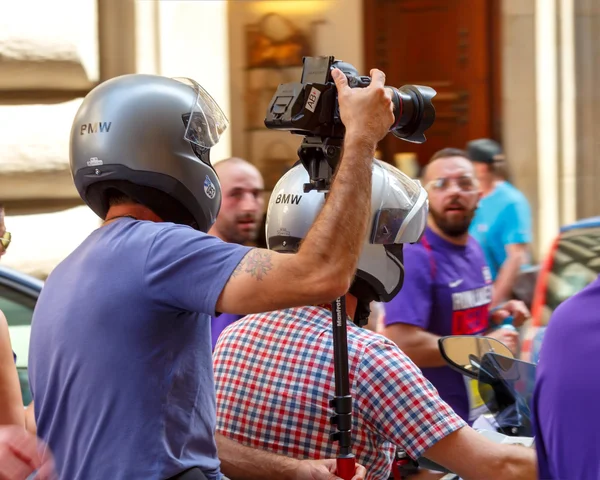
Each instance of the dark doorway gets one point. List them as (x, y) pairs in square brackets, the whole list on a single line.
[(450, 45)]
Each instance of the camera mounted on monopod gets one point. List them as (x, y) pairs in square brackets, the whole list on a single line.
[(310, 108)]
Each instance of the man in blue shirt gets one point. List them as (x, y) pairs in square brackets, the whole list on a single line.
[(502, 222), (239, 218), (120, 353), (565, 400)]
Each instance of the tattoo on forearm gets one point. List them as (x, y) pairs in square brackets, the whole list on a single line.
[(256, 262)]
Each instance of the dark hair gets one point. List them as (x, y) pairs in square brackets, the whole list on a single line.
[(115, 197), (449, 152), (444, 153), (499, 167)]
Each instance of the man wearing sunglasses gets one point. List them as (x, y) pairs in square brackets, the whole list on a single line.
[(11, 405), (450, 286), (21, 453)]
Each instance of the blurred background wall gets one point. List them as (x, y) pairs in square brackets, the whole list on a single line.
[(523, 72)]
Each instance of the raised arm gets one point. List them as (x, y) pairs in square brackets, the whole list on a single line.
[(325, 264)]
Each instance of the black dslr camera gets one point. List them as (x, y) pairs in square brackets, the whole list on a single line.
[(310, 108)]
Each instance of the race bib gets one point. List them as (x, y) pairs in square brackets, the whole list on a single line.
[(477, 406)]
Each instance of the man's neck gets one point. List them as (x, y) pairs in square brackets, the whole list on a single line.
[(488, 187), (134, 210), (351, 303), (216, 233), (461, 240)]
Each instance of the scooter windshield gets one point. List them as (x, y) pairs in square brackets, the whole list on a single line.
[(506, 386)]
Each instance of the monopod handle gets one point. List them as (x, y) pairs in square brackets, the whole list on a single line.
[(345, 466)]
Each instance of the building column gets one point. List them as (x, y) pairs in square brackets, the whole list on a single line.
[(547, 111), (540, 111), (173, 39), (519, 120), (587, 94)]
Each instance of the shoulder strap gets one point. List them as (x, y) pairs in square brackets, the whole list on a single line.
[(429, 250)]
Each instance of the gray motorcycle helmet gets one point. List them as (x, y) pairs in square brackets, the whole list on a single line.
[(399, 211), (149, 137)]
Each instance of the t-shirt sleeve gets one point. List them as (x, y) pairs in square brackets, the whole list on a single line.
[(516, 223), (412, 305), (399, 403), (187, 269)]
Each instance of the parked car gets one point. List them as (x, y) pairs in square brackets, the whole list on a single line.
[(18, 295), (572, 263)]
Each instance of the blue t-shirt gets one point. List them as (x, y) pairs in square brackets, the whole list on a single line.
[(502, 218), (565, 400), (120, 360), (447, 291)]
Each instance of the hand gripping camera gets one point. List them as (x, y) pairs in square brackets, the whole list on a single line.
[(310, 108)]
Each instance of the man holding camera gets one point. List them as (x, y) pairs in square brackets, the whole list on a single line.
[(274, 372), (450, 286), (120, 358)]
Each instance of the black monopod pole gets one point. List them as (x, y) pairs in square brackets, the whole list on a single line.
[(320, 159), (342, 402)]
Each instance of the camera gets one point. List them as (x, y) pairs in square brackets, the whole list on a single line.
[(310, 108)]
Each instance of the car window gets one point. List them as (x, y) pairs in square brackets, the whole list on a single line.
[(576, 263), (18, 309)]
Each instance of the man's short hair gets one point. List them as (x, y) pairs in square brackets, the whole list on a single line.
[(449, 152), (443, 153), (483, 150), (231, 160), (489, 152), (116, 197)]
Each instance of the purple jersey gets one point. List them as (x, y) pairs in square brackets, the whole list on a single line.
[(220, 323), (447, 291), (565, 401)]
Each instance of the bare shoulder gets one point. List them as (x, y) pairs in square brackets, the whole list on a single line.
[(256, 263)]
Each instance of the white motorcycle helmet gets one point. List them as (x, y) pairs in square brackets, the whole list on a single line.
[(399, 211)]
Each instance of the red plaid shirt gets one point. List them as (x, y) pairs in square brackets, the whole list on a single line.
[(274, 377)]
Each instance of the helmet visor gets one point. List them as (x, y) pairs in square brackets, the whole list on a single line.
[(403, 199), (206, 122)]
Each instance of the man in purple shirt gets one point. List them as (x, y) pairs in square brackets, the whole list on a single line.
[(239, 218), (565, 400), (449, 286)]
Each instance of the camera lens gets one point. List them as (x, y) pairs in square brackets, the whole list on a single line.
[(414, 112)]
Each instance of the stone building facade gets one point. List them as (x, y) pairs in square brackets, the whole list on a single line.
[(49, 60)]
